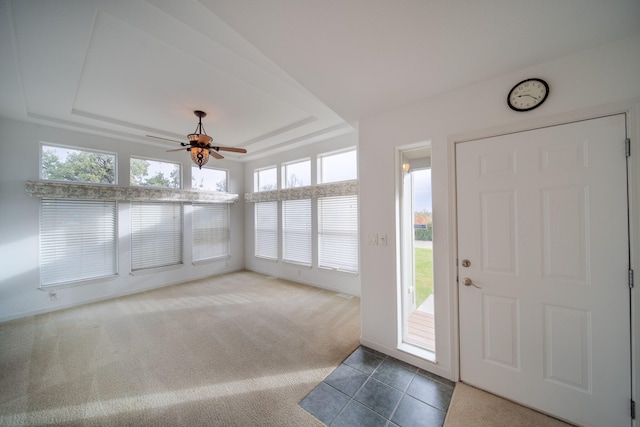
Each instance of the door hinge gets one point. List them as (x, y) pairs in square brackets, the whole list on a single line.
[(631, 278), (627, 147), (633, 409)]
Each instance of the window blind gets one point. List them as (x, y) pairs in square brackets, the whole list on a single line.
[(78, 240), (156, 234), (338, 233), (210, 231), (296, 231), (266, 227)]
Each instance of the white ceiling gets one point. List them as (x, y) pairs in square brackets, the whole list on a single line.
[(271, 74)]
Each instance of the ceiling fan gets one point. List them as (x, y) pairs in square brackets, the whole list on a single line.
[(199, 144)]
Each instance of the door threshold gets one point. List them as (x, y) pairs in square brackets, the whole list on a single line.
[(417, 351)]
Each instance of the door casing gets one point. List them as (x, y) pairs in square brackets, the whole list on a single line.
[(631, 108)]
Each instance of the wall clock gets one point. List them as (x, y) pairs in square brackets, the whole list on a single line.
[(528, 94)]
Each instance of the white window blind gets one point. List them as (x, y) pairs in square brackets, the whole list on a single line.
[(338, 233), (156, 234), (296, 231), (78, 240), (266, 227), (211, 234)]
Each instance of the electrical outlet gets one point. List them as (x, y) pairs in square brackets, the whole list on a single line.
[(382, 239), (373, 239), (53, 295)]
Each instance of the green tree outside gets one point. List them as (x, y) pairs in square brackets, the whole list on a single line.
[(79, 166), (139, 175)]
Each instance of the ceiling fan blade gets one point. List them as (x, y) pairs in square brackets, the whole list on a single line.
[(234, 149), (164, 139), (215, 154), (179, 149), (204, 139)]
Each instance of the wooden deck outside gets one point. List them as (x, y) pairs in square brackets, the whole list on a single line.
[(421, 329)]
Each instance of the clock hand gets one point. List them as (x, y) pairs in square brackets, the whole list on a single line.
[(526, 94)]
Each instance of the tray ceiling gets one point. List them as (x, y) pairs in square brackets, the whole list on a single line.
[(271, 74)]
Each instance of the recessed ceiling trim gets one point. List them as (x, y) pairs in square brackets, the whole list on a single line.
[(279, 131), (123, 123), (95, 130), (85, 57), (321, 135)]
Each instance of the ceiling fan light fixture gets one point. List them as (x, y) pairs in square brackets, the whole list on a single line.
[(200, 144), (199, 155)]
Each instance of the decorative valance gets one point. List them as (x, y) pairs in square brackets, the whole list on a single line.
[(344, 188), (64, 190)]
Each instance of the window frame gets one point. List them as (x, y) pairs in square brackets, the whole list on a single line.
[(177, 242), (197, 232), (180, 177), (321, 158), (273, 256), (198, 170), (328, 231), (91, 224), (256, 178), (284, 173), (82, 149), (295, 235)]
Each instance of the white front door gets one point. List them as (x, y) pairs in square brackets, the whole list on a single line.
[(543, 242)]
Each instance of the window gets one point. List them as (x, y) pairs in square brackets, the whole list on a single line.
[(67, 164), (266, 228), (156, 234), (207, 179), (211, 234), (265, 179), (296, 231), (151, 173), (78, 241), (338, 233), (296, 174), (341, 166)]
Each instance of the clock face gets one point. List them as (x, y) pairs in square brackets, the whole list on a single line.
[(528, 94)]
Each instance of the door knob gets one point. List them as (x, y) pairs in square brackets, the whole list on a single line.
[(468, 282)]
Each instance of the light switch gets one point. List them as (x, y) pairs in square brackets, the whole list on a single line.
[(382, 239), (373, 239)]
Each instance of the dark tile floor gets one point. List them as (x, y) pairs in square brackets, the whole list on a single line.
[(372, 389)]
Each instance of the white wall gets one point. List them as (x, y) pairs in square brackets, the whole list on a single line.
[(327, 279), (19, 221), (584, 81)]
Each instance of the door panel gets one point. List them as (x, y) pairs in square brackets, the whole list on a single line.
[(544, 320)]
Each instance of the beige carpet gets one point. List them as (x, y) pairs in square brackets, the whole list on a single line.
[(240, 349), (472, 407)]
